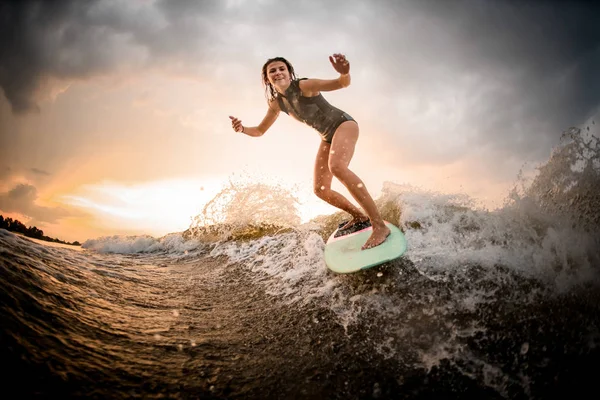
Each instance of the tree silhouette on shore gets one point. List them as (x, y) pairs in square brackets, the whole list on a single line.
[(14, 225)]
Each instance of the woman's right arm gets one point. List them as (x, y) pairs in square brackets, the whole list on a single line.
[(255, 131)]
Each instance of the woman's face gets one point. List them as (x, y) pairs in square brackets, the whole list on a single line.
[(278, 74)]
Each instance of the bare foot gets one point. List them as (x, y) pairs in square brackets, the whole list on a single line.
[(377, 237), (353, 221)]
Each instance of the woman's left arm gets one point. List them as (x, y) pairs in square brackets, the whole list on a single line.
[(314, 86)]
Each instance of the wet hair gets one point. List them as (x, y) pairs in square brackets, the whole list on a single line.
[(270, 92)]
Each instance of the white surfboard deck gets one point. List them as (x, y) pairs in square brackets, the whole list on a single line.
[(343, 254)]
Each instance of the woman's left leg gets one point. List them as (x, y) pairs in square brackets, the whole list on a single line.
[(340, 154), (322, 186)]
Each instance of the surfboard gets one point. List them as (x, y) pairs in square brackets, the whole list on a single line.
[(343, 253)]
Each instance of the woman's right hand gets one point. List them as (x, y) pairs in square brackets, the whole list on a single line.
[(236, 124)]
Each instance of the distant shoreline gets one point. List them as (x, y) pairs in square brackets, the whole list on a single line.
[(16, 226), (46, 241), (42, 242)]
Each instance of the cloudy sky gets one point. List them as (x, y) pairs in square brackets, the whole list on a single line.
[(114, 113)]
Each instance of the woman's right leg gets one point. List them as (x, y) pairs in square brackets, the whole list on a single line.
[(322, 186), (342, 150)]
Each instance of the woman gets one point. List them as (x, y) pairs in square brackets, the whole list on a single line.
[(302, 99)]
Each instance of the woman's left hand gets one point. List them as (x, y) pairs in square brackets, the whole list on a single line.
[(340, 63)]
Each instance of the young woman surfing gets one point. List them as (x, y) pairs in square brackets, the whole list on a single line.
[(302, 99)]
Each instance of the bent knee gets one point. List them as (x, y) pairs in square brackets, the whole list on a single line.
[(337, 169)]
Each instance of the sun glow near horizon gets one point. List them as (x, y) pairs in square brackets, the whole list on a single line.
[(157, 207)]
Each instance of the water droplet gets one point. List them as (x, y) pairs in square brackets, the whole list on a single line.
[(524, 348), (193, 343), (360, 185), (332, 151), (322, 187), (379, 274)]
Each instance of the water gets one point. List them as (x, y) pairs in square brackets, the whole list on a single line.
[(485, 304)]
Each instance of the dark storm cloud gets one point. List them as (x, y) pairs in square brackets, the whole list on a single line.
[(537, 63), (72, 39), (553, 47), (21, 199)]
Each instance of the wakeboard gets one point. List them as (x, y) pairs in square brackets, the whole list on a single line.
[(343, 253)]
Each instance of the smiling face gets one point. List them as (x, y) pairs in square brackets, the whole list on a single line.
[(278, 74)]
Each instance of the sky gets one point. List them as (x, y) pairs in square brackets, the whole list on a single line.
[(114, 113)]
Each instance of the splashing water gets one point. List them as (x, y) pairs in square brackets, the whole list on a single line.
[(246, 210), (568, 185)]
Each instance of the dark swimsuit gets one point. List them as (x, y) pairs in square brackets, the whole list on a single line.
[(314, 111)]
